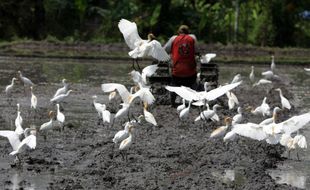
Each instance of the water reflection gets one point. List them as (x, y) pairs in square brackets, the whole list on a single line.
[(23, 180), (231, 176), (291, 177)]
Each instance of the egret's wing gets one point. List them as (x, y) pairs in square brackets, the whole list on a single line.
[(30, 141), (13, 138), (106, 116), (61, 117), (234, 98), (250, 130), (157, 51), (185, 93), (207, 57), (130, 32), (148, 71), (215, 93), (149, 117), (145, 95), (294, 123), (136, 76), (121, 89)]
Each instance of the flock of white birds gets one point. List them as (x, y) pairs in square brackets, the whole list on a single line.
[(285, 132)]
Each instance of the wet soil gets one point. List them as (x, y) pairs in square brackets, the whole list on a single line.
[(173, 155)]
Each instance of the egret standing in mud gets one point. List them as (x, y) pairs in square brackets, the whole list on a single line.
[(220, 131), (60, 117), (284, 101), (126, 143), (252, 75), (48, 125), (8, 89), (62, 90)]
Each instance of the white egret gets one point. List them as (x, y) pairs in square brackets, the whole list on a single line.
[(207, 58), (34, 99), (139, 47), (182, 106), (284, 101), (299, 141), (238, 117), (60, 97), (148, 116), (270, 75), (62, 90), (17, 145), (262, 81), (48, 125), (9, 87), (237, 78), (273, 65), (207, 114), (250, 130), (60, 116), (307, 69), (126, 143), (143, 93), (252, 75), (25, 80), (124, 111), (220, 131), (272, 119), (190, 94), (232, 100), (99, 107), (19, 121), (263, 109), (122, 134), (185, 112)]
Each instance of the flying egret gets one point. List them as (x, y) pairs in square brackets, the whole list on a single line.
[(220, 131), (25, 80), (190, 94), (252, 75), (62, 90), (34, 100), (299, 141), (284, 101), (207, 58), (9, 87), (17, 145), (139, 47)]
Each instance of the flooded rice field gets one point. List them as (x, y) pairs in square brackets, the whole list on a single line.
[(173, 155)]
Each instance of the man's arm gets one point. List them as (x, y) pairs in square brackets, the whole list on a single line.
[(168, 45)]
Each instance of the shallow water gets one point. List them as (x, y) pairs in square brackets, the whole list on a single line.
[(91, 72), (291, 171)]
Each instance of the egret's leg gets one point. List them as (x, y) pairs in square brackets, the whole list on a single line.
[(297, 155), (138, 65)]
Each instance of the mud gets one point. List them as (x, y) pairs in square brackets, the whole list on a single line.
[(174, 155)]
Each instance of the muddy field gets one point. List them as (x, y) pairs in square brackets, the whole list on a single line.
[(173, 155)]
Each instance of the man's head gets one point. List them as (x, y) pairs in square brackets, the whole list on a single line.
[(183, 29)]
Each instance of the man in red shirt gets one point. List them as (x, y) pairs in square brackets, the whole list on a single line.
[(183, 48)]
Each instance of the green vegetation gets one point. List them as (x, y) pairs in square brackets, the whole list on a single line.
[(276, 23)]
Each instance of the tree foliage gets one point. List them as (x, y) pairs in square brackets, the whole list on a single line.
[(262, 22)]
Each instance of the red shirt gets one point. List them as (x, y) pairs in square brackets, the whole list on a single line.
[(183, 56)]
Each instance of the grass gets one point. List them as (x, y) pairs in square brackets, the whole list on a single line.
[(95, 50)]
